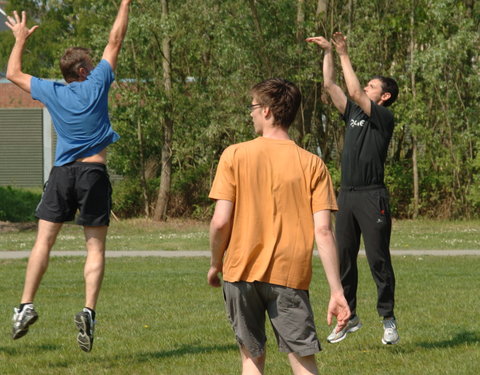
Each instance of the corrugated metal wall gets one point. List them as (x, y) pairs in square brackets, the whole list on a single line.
[(21, 147)]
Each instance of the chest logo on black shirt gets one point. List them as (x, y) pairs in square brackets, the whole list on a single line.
[(354, 123)]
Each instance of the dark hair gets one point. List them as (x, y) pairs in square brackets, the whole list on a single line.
[(73, 59), (388, 85), (281, 96)]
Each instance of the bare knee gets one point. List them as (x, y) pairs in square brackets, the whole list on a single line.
[(252, 365)]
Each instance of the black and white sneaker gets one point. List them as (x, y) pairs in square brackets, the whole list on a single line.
[(22, 320), (85, 325)]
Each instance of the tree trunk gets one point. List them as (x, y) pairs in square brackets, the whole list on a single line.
[(350, 15), (321, 18), (261, 51), (160, 213), (469, 4), (416, 195), (141, 143), (300, 21)]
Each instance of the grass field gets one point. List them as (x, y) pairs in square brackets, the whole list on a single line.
[(158, 316), (138, 234)]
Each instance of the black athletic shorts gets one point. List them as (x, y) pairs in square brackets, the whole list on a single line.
[(77, 186)]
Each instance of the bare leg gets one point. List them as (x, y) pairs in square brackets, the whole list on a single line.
[(38, 260), (251, 365), (303, 365), (95, 238)]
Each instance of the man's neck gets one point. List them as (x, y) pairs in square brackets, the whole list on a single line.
[(275, 132)]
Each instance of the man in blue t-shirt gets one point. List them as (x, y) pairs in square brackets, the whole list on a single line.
[(79, 179), (363, 207)]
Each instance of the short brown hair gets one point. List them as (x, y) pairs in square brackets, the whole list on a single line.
[(388, 85), (73, 59), (281, 96)]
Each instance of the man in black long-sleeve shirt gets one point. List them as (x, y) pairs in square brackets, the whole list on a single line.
[(363, 199)]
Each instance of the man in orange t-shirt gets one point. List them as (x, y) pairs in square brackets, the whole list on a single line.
[(273, 199)]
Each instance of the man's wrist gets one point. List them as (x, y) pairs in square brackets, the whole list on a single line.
[(216, 264), (20, 41)]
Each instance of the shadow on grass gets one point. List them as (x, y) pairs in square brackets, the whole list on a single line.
[(461, 338), (184, 350), (29, 349)]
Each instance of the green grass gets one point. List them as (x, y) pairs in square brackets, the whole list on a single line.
[(158, 316), (438, 235), (133, 234), (138, 234)]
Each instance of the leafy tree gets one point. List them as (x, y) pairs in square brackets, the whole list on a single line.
[(218, 50)]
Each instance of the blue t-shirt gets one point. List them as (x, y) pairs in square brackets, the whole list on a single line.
[(79, 112)]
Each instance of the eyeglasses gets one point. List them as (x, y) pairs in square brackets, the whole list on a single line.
[(251, 107)]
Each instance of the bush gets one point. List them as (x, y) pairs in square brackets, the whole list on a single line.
[(127, 197), (399, 181), (18, 205)]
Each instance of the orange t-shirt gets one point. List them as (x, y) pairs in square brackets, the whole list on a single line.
[(276, 187)]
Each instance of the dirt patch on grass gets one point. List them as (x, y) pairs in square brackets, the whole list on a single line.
[(6, 226)]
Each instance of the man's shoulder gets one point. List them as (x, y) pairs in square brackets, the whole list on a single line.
[(382, 116), (102, 73), (41, 88), (241, 145), (382, 108), (48, 82), (310, 159), (308, 154)]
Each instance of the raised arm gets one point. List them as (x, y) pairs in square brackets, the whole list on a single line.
[(220, 230), (117, 34), (355, 90), (327, 250), (21, 33), (339, 98)]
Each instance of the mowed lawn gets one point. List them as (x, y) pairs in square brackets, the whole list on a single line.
[(141, 234), (158, 316)]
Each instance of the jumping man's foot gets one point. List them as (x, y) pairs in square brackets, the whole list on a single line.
[(390, 333), (85, 325), (22, 319)]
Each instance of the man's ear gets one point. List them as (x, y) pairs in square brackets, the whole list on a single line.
[(82, 73), (267, 112), (385, 96)]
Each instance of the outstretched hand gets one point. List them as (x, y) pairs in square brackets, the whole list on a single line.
[(321, 41), (340, 42), (338, 307), (19, 26)]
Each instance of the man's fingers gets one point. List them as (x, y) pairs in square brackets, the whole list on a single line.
[(24, 17), (329, 318), (32, 29), (215, 282), (17, 17)]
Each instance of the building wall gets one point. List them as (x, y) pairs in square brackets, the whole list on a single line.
[(21, 147), (27, 138), (13, 97)]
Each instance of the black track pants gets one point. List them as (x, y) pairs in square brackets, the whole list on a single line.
[(366, 212)]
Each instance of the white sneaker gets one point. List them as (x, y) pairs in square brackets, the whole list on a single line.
[(353, 325), (390, 334), (22, 320)]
